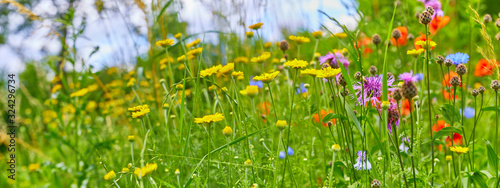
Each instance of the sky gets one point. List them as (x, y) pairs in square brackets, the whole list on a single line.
[(119, 31)]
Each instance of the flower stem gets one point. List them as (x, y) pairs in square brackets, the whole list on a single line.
[(429, 103), (289, 127)]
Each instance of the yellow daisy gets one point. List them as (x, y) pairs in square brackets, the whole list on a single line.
[(299, 39), (317, 34), (210, 118), (210, 71), (256, 26), (259, 59), (310, 72), (296, 64), (459, 149), (165, 43), (266, 77), (328, 73)]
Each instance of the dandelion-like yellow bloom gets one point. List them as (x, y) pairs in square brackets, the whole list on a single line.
[(210, 71), (248, 162), (237, 74), (249, 34), (210, 118), (112, 70), (194, 43), (141, 172), (195, 52), (178, 35), (459, 149), (181, 58), (241, 60), (328, 73), (33, 167), (415, 52), (125, 170), (165, 60), (256, 26), (225, 69), (266, 77), (341, 35), (250, 91), (181, 67), (56, 88), (55, 79), (299, 39), (424, 44), (268, 45), (165, 43), (336, 147), (131, 138), (448, 157), (79, 93), (296, 64), (317, 34), (281, 124), (310, 72), (110, 175), (227, 131), (131, 82), (139, 111), (263, 57)]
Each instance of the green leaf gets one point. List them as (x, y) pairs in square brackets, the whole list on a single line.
[(490, 108), (447, 131), (330, 116), (478, 179), (385, 90), (163, 9), (492, 155), (352, 116), (450, 113)]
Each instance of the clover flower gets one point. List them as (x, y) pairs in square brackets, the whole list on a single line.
[(362, 162), (458, 58)]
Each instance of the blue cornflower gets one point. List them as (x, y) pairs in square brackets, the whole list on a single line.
[(362, 162), (458, 58), (256, 83), (302, 89), (468, 112), (290, 151), (282, 154)]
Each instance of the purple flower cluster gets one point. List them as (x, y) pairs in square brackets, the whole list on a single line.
[(362, 162), (333, 59), (372, 89)]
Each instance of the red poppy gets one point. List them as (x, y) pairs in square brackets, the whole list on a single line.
[(439, 125), (447, 95), (323, 113), (363, 43), (264, 108), (420, 38), (403, 39), (406, 108), (437, 23), (484, 68), (457, 140)]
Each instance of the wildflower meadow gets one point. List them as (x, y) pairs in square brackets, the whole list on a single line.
[(403, 95)]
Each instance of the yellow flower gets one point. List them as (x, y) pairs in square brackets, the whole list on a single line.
[(56, 88), (212, 88), (424, 44), (225, 69), (125, 170), (237, 74), (299, 39), (178, 35), (165, 60), (181, 58), (328, 73), (266, 77), (317, 34), (33, 167), (131, 138), (195, 52), (131, 82), (415, 52), (448, 157), (268, 44), (139, 111), (241, 60), (91, 106), (141, 172), (112, 70), (194, 43), (79, 93), (179, 86), (210, 118), (55, 80), (311, 72), (256, 26), (341, 35), (459, 149), (336, 147), (250, 91), (249, 34), (248, 162), (110, 175), (210, 71), (177, 172), (281, 124), (165, 43), (227, 131), (296, 64), (259, 59), (275, 60), (181, 67)]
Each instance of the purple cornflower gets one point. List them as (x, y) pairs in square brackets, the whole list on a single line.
[(436, 4), (333, 59), (458, 58), (372, 89), (256, 83), (362, 162), (403, 147), (408, 77)]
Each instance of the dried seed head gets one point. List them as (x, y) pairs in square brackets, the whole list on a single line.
[(448, 62), (410, 37), (481, 89), (417, 15), (397, 94), (373, 70), (376, 39), (497, 22), (409, 90), (375, 184), (495, 85), (455, 81), (344, 93), (425, 18), (284, 45), (403, 120), (430, 10), (487, 18), (357, 75), (393, 113), (325, 65), (397, 3), (437, 116), (355, 112), (440, 59), (396, 34), (461, 69), (285, 56), (474, 92), (497, 36), (341, 80)]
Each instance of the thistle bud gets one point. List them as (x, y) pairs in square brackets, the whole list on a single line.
[(397, 94), (396, 34), (487, 18), (373, 70), (461, 69), (410, 37), (376, 39), (425, 18), (430, 10), (481, 89), (455, 81), (357, 75), (375, 184), (474, 92), (448, 62), (440, 59), (495, 85), (409, 90), (284, 45)]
